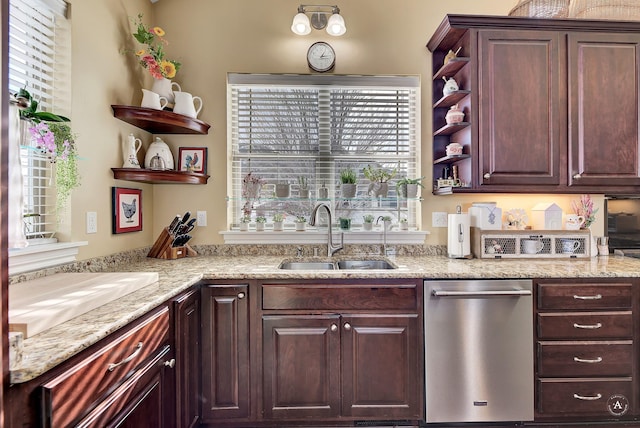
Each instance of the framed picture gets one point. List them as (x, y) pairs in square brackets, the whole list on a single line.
[(126, 205), (192, 159)]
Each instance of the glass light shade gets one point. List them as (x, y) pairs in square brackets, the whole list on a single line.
[(301, 25), (335, 26)]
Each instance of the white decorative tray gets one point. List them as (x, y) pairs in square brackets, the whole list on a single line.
[(502, 244)]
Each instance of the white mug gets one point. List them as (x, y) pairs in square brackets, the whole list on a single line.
[(573, 221), (185, 104), (152, 100), (569, 245), (532, 246)]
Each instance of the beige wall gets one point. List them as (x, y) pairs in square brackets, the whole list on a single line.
[(212, 38)]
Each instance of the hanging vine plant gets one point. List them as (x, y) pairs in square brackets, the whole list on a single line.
[(53, 136)]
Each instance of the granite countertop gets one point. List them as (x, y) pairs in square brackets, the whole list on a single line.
[(44, 351)]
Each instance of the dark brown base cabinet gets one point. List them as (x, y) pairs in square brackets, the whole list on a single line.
[(587, 350)]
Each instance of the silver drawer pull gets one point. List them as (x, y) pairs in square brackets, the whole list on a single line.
[(113, 366), (596, 297), (585, 398), (584, 360), (587, 326)]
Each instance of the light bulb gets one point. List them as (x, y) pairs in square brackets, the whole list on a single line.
[(335, 26), (301, 25)]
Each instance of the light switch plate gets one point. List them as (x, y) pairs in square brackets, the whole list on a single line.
[(92, 222), (439, 219), (201, 217)]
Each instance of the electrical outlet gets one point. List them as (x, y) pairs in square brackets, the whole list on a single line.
[(439, 219), (92, 222), (201, 217)]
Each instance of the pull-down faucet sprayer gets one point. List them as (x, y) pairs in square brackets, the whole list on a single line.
[(331, 249)]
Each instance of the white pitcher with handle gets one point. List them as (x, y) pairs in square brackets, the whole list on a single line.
[(130, 148), (164, 88), (185, 104)]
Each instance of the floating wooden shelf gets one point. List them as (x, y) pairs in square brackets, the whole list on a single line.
[(451, 159), (451, 99), (160, 121), (159, 177), (452, 67), (451, 129)]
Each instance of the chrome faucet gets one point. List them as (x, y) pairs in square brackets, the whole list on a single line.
[(384, 233), (331, 249)]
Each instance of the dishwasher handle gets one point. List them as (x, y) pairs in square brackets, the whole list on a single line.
[(485, 293)]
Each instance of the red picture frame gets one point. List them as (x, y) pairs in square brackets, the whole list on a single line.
[(126, 206), (192, 159)]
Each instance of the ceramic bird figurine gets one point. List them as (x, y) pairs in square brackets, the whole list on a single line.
[(129, 210)]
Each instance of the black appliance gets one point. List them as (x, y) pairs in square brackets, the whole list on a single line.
[(622, 224)]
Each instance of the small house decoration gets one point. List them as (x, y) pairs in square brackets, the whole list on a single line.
[(546, 216)]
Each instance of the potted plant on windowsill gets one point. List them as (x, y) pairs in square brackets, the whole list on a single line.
[(348, 179), (408, 187), (379, 178), (301, 222), (303, 184), (278, 221), (260, 221), (367, 221), (244, 223)]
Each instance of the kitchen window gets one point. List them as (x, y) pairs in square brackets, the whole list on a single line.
[(295, 129), (39, 61)]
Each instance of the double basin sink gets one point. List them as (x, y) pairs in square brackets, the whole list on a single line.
[(356, 264)]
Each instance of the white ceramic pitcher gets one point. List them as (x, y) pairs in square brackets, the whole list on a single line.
[(185, 104), (152, 100), (164, 88), (130, 147)]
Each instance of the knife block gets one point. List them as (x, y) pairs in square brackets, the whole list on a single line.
[(162, 248)]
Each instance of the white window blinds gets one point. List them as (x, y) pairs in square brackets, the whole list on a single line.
[(39, 52), (284, 127)]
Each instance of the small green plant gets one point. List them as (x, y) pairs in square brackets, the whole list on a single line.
[(245, 219), (278, 217), (348, 176), (261, 219), (301, 219), (403, 220), (386, 218), (367, 218), (303, 182), (380, 175), (404, 181)]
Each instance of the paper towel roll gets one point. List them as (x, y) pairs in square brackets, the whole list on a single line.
[(459, 239)]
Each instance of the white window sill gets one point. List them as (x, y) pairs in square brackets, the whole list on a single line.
[(314, 236), (36, 257)]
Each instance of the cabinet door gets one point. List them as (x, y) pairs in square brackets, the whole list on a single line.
[(225, 352), (521, 124), (604, 90), (187, 338), (301, 365), (381, 370)]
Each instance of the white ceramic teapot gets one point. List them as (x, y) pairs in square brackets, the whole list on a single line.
[(159, 148), (450, 86), (185, 104), (130, 147)]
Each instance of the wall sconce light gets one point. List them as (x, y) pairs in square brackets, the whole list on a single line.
[(322, 16)]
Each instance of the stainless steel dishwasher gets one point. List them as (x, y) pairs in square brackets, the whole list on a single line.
[(479, 350)]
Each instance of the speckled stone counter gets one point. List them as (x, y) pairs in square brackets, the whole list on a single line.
[(44, 351)]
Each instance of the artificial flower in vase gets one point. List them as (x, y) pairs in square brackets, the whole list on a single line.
[(152, 57), (585, 208)]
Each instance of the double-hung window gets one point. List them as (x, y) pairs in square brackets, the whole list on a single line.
[(39, 61), (295, 129)]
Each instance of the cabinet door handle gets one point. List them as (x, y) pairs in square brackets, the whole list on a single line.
[(334, 327), (587, 326), (171, 363), (596, 297), (577, 176), (486, 176), (591, 398), (585, 360), (113, 366), (241, 295), (347, 326)]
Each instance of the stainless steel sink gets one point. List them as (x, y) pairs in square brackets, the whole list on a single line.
[(365, 264), (307, 266), (355, 264)]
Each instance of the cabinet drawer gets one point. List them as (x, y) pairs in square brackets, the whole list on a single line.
[(340, 296), (585, 397), (585, 296), (71, 394), (602, 358), (585, 325)]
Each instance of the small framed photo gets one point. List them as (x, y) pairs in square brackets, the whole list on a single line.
[(192, 159), (126, 206)]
